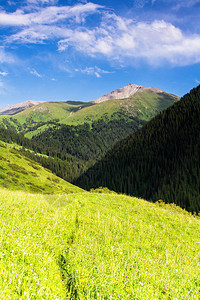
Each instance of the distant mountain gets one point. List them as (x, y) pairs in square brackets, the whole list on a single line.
[(127, 92), (16, 108), (159, 161), (140, 104)]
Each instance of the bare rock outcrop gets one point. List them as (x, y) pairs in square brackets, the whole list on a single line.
[(126, 92), (16, 108)]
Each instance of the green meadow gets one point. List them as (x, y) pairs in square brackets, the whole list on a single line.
[(96, 246)]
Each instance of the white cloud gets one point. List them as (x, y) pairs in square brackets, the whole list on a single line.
[(48, 15), (49, 2), (185, 3), (173, 4), (155, 42), (38, 34), (113, 37), (93, 71), (6, 57), (10, 2), (142, 3), (3, 74), (14, 19), (35, 73)]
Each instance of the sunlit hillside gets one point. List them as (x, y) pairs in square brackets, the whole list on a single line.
[(20, 173), (96, 246)]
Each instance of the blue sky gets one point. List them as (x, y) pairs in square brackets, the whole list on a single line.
[(59, 50)]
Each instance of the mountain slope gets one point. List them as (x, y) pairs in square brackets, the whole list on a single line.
[(92, 246), (20, 173), (16, 108), (160, 161)]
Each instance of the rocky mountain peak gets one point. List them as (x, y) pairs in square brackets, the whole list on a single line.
[(121, 93), (16, 108)]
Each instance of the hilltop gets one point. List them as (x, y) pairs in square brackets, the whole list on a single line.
[(159, 161)]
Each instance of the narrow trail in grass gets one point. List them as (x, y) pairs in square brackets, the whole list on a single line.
[(96, 246)]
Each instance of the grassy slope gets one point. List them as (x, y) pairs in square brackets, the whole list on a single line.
[(20, 173), (143, 105), (48, 111), (92, 246)]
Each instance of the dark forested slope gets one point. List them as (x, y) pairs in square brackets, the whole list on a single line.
[(160, 161), (71, 150)]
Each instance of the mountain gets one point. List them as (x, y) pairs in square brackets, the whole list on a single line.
[(17, 172), (74, 135), (140, 105), (127, 92), (159, 161), (96, 246), (16, 108)]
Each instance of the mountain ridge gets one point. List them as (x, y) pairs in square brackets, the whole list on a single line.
[(126, 92), (118, 94), (18, 107)]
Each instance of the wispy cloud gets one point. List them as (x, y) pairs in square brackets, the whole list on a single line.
[(3, 74), (35, 73), (49, 2), (185, 3), (113, 37), (93, 71), (48, 15), (6, 57), (2, 88), (142, 3)]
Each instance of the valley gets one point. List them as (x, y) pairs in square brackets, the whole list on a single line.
[(74, 135), (99, 150)]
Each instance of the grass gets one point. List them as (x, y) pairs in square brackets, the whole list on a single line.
[(20, 173), (96, 246)]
